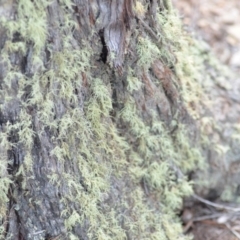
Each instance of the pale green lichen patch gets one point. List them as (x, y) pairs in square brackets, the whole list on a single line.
[(189, 64), (94, 145)]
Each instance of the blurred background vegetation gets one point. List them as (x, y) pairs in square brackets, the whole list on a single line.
[(217, 22)]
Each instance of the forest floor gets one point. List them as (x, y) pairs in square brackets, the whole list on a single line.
[(218, 23)]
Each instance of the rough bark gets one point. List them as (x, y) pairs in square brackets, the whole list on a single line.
[(101, 107)]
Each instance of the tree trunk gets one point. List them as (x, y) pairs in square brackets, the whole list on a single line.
[(103, 117)]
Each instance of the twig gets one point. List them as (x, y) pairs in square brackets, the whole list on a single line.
[(216, 205), (39, 232), (233, 231), (199, 219), (188, 226)]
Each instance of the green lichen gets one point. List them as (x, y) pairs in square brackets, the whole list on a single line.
[(85, 136)]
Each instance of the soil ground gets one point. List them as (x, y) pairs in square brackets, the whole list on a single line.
[(218, 23)]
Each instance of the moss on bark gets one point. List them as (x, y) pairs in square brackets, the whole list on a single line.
[(99, 108)]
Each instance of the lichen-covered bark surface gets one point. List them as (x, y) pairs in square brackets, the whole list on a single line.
[(101, 106)]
